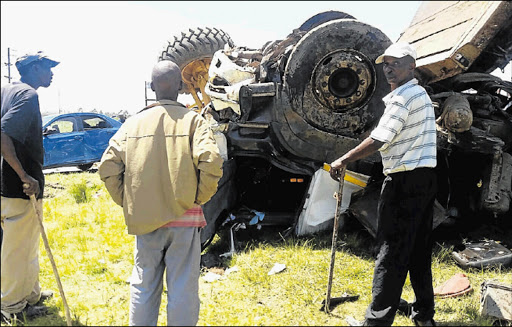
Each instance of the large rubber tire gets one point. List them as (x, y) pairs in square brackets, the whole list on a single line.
[(194, 44), (323, 17), (316, 44)]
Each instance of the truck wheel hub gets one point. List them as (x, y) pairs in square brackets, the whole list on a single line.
[(342, 78)]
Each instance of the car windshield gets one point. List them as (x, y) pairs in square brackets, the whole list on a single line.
[(46, 119)]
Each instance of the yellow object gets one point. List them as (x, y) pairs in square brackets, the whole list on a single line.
[(354, 179), (350, 176), (195, 76)]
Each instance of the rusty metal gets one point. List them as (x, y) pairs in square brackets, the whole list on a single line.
[(342, 80), (449, 36), (496, 195), (457, 115)]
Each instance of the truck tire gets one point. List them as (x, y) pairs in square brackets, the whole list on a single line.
[(195, 45), (331, 79), (323, 17)]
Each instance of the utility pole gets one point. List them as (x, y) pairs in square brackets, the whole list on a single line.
[(146, 93), (147, 85), (8, 64)]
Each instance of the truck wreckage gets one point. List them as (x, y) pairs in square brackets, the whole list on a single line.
[(281, 111)]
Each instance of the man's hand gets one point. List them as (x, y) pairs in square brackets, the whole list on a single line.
[(364, 149), (337, 167), (30, 185)]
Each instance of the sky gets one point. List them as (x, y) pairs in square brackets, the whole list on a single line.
[(107, 49)]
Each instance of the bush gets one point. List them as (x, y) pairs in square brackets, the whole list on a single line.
[(80, 192)]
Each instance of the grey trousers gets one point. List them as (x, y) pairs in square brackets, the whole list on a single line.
[(178, 251)]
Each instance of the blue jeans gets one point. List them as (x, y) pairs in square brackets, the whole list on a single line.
[(177, 249)]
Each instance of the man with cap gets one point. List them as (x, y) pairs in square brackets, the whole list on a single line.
[(406, 138), (22, 176)]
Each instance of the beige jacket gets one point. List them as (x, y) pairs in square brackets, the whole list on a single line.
[(159, 163)]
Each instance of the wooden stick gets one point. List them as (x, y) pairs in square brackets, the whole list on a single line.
[(49, 252), (334, 237)]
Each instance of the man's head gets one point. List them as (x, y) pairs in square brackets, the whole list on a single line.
[(166, 80), (35, 69), (399, 63)]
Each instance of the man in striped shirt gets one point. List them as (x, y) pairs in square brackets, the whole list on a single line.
[(406, 139)]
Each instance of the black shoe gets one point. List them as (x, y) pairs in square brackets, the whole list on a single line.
[(32, 311), (430, 322), (29, 312), (405, 308)]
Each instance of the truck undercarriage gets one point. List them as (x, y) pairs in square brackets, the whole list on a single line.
[(281, 111)]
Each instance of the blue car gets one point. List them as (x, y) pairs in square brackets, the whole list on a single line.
[(76, 139)]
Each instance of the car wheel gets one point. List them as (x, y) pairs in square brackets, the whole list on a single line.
[(85, 167)]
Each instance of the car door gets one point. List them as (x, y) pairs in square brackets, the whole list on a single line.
[(63, 142), (97, 132)]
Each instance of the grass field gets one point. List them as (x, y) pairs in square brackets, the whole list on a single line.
[(94, 256)]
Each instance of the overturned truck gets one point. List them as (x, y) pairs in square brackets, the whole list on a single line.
[(281, 111)]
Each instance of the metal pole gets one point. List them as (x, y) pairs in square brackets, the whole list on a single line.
[(8, 64), (146, 93)]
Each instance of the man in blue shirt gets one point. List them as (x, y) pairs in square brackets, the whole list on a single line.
[(22, 163)]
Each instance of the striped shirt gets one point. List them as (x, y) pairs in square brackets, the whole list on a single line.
[(408, 130)]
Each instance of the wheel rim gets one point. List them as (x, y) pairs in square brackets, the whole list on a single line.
[(342, 80), (195, 77)]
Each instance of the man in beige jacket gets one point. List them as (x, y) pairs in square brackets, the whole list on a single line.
[(160, 166)]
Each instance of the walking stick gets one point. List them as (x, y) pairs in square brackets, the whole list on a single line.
[(49, 252), (334, 237)]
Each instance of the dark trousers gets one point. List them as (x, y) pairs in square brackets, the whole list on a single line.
[(405, 245)]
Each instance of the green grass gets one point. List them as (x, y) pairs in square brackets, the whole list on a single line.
[(94, 257)]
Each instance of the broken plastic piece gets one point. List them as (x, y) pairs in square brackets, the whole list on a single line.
[(231, 270), (456, 286), (258, 217), (211, 277), (483, 254), (278, 267)]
